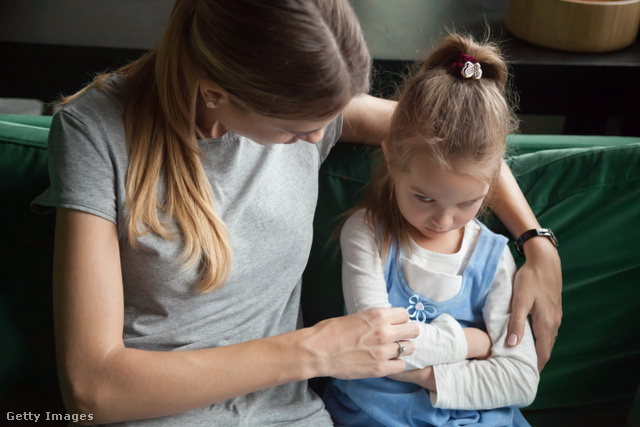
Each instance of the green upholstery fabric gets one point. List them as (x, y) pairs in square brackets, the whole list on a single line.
[(523, 144), (590, 197), (28, 380), (585, 188)]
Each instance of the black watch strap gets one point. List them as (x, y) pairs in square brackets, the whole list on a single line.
[(544, 232)]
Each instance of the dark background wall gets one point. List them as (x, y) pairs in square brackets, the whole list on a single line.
[(53, 47)]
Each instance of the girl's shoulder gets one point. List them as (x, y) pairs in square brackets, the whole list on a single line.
[(357, 223)]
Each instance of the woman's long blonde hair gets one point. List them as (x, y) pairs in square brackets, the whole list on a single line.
[(449, 119), (280, 58)]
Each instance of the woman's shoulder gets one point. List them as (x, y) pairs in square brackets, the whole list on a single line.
[(98, 105)]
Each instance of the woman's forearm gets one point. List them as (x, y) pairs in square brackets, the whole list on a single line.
[(367, 120), (128, 384), (510, 205), (538, 284)]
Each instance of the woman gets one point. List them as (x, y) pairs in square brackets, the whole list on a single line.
[(186, 184)]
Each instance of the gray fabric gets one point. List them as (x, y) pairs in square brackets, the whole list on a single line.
[(265, 194)]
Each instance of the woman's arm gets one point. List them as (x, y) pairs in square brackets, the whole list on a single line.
[(100, 376), (538, 283), (367, 120), (364, 287)]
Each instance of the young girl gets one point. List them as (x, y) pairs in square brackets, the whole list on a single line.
[(414, 242)]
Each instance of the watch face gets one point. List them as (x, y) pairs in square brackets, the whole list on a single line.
[(546, 232)]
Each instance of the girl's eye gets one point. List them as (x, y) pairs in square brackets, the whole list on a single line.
[(424, 198), (470, 203)]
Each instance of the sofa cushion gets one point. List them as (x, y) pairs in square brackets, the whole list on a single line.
[(590, 197), (27, 358)]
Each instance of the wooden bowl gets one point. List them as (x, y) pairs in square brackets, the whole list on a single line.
[(575, 25)]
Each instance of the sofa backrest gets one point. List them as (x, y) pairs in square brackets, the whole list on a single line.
[(587, 189), (27, 358)]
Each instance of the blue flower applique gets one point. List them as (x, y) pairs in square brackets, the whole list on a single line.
[(419, 310)]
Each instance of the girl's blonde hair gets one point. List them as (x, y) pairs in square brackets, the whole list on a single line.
[(288, 59), (451, 120)]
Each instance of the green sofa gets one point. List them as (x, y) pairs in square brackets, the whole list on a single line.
[(587, 189)]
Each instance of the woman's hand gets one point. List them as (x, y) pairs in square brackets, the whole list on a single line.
[(362, 345), (537, 291)]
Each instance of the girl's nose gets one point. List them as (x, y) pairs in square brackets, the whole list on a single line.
[(442, 220)]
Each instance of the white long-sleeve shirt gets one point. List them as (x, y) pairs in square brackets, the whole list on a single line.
[(508, 377)]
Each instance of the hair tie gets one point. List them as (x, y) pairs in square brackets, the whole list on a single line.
[(467, 66)]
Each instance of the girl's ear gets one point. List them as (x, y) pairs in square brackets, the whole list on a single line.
[(211, 92)]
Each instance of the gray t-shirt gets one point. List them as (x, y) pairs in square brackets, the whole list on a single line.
[(266, 195)]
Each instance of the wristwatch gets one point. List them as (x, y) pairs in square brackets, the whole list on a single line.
[(544, 232)]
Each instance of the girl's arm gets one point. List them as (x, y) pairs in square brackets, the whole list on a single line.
[(538, 284), (508, 377), (100, 376), (364, 287)]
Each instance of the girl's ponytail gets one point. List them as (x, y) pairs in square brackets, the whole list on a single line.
[(487, 54)]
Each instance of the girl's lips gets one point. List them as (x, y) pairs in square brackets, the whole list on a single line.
[(434, 231)]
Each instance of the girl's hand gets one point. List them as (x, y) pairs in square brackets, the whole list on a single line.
[(361, 345), (537, 291), (422, 377)]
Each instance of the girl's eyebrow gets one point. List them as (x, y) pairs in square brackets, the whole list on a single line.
[(416, 189), (422, 193)]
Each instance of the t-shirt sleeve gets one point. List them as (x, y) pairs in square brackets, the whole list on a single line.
[(82, 171)]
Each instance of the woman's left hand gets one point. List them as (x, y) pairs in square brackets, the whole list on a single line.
[(537, 291)]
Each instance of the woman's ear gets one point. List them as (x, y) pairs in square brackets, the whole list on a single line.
[(212, 94)]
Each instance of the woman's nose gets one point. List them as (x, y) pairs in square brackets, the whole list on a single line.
[(313, 137)]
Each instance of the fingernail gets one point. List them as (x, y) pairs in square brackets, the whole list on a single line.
[(512, 340)]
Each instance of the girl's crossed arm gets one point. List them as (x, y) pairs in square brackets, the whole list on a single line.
[(509, 376), (364, 287)]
